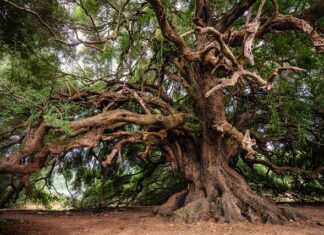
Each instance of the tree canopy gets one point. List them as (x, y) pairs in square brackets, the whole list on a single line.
[(133, 101)]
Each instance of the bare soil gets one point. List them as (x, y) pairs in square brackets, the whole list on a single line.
[(143, 221)]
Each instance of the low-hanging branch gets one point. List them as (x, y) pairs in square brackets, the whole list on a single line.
[(247, 143), (148, 138), (90, 131)]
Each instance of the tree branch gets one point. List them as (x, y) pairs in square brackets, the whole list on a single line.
[(233, 14), (313, 13), (280, 170)]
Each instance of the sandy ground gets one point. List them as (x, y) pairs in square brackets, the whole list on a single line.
[(143, 221)]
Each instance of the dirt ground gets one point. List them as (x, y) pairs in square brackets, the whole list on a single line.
[(143, 221)]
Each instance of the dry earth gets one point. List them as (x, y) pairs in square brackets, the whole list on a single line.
[(143, 221)]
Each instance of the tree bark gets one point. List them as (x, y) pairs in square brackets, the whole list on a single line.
[(215, 190)]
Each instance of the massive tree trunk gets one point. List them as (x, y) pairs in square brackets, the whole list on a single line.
[(215, 190)]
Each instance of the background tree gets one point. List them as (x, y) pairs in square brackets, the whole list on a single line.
[(184, 80)]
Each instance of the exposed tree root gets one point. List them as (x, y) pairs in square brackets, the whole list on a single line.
[(193, 211), (226, 198), (173, 203), (226, 210)]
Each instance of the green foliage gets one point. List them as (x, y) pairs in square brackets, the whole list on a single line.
[(290, 186), (25, 85), (33, 88), (129, 180), (51, 119)]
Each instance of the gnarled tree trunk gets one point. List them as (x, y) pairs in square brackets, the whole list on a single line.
[(215, 190)]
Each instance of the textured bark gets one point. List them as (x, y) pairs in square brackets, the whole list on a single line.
[(34, 152), (216, 191)]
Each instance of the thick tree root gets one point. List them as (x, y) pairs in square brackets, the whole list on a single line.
[(193, 212), (217, 192), (227, 209), (173, 203), (291, 213)]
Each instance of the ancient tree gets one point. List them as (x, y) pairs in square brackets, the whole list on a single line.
[(181, 70)]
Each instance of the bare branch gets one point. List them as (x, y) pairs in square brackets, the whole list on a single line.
[(268, 84), (223, 47), (252, 29), (244, 139), (34, 149), (225, 83)]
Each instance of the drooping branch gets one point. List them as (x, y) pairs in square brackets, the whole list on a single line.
[(246, 143), (119, 115), (88, 139), (148, 138), (34, 152), (9, 165), (32, 147), (31, 142), (281, 170)]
